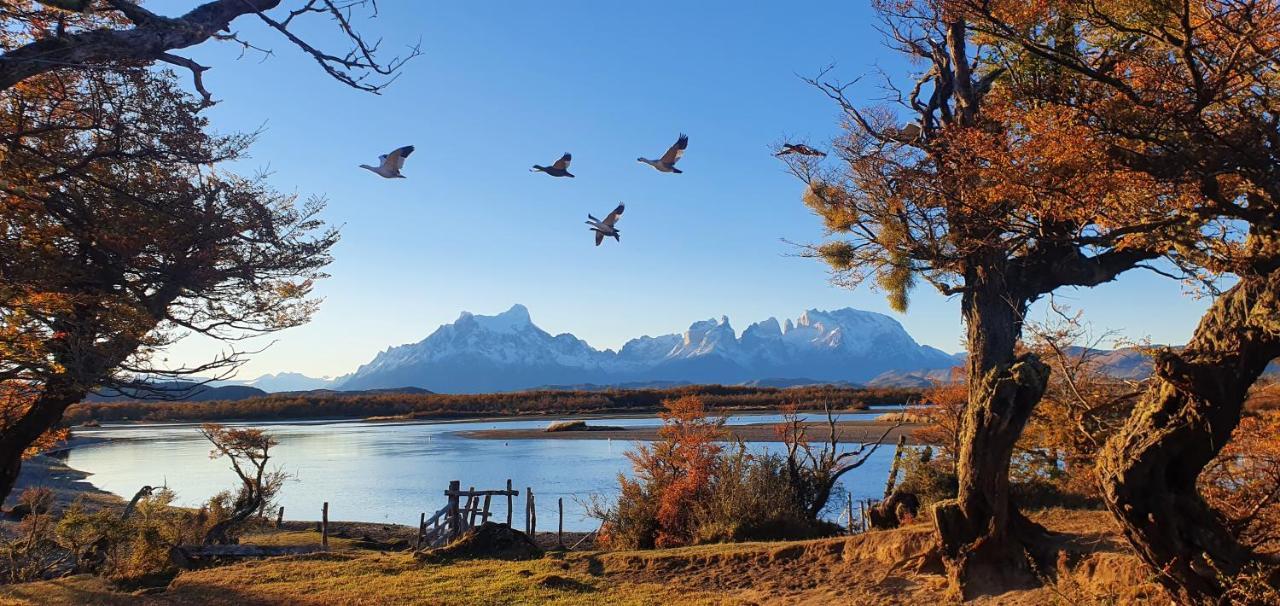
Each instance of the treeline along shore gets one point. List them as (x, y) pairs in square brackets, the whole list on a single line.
[(406, 406)]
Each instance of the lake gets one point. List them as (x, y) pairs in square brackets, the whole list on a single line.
[(391, 472)]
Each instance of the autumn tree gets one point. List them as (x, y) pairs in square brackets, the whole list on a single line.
[(248, 450), (813, 469), (119, 233), (998, 201), (44, 36), (1083, 405), (1184, 92)]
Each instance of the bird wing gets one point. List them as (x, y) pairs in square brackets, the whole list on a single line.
[(787, 148), (563, 162), (599, 237), (613, 216), (673, 154), (395, 159)]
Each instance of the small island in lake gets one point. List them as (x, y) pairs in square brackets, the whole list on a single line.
[(558, 426)]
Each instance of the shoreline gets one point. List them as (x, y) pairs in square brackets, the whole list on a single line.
[(68, 483), (849, 432), (413, 418)]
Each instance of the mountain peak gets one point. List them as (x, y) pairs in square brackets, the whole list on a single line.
[(507, 351), (517, 313), (511, 320)]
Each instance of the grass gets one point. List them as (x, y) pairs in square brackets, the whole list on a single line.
[(890, 567), (293, 538), (364, 578)]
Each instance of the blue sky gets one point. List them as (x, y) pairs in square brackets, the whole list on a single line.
[(503, 85)]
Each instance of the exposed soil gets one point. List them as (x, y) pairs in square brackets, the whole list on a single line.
[(490, 541), (889, 567)]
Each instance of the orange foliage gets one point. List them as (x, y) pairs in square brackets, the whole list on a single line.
[(680, 466), (943, 410), (15, 401), (361, 405), (1243, 482)]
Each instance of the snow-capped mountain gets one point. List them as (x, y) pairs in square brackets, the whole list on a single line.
[(284, 381), (507, 352), (290, 381)]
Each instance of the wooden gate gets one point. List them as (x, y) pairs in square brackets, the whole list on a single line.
[(458, 516)]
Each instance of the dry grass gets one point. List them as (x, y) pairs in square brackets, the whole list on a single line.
[(891, 567), (350, 578)]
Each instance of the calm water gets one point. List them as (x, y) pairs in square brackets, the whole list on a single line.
[(382, 472)]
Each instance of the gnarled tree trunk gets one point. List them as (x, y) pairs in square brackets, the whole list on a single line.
[(983, 537), (44, 414), (1149, 469)]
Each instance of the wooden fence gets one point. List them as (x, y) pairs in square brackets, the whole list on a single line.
[(458, 516)]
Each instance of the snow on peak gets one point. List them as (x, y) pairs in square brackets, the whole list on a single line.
[(512, 320), (507, 350), (849, 329), (767, 329)]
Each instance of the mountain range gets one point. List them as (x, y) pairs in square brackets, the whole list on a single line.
[(509, 352)]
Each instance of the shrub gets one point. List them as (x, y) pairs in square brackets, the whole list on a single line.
[(812, 471), (687, 489), (31, 554), (751, 499), (131, 548), (930, 479)]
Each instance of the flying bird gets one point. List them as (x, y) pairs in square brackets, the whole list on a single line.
[(390, 164), (799, 148), (667, 163), (559, 169), (606, 228)]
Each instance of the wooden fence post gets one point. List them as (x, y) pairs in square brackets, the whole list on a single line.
[(510, 502), (528, 505), (473, 503), (560, 527), (533, 515), (484, 517), (280, 517), (324, 526), (422, 528), (850, 495), (455, 518)]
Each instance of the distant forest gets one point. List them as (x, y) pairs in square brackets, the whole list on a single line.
[(336, 405)]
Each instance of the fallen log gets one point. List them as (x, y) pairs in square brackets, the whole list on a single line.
[(198, 556)]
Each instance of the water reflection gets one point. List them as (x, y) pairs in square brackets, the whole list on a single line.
[(390, 472)]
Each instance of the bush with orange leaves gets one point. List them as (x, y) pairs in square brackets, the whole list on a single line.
[(671, 474), (688, 488)]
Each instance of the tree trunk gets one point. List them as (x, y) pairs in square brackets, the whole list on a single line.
[(984, 538), (1149, 469), (44, 414)]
